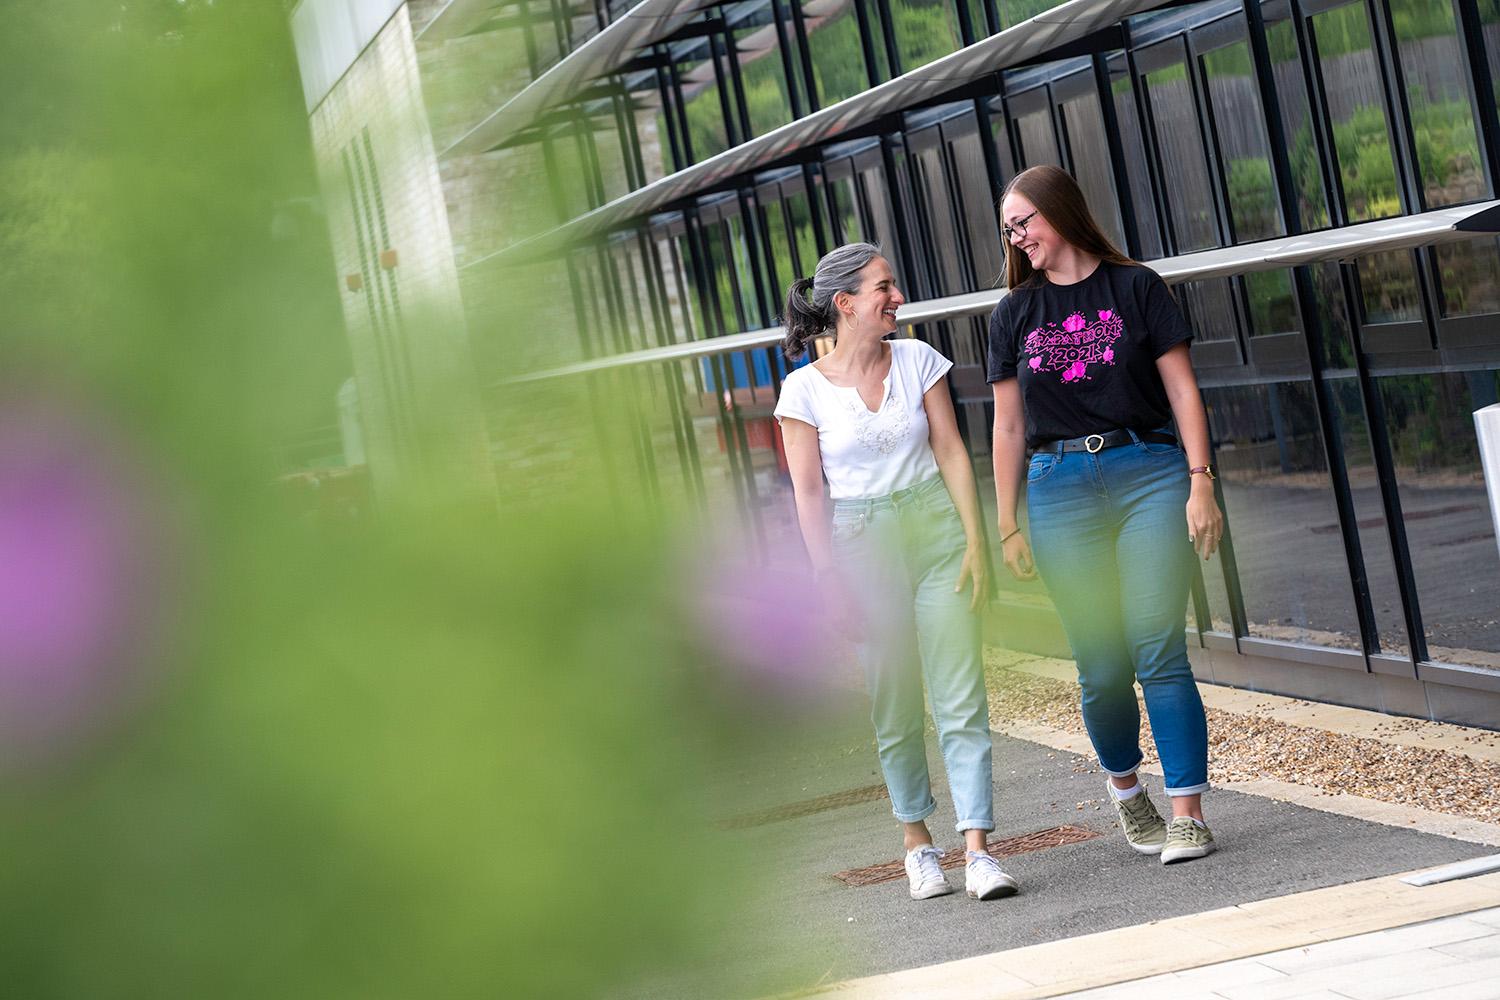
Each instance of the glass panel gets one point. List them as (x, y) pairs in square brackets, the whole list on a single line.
[(1445, 509), (1291, 89), (1244, 151), (1333, 315), (611, 153), (880, 227), (837, 58), (1013, 12), (1209, 308), (846, 215), (1288, 547), (1273, 309), (1038, 141), (1133, 149), (1470, 277), (925, 30), (1191, 204), (1369, 515), (1432, 63), (977, 19), (1351, 80), (978, 201), (751, 315), (1489, 20), (805, 250), (944, 236), (783, 270), (1091, 163), (705, 113), (763, 78), (1388, 283)]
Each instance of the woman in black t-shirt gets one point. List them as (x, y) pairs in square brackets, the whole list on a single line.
[(1088, 358)]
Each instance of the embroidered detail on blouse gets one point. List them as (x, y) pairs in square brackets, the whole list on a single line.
[(884, 430)]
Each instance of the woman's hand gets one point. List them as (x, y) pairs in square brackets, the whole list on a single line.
[(1204, 519), (975, 568), (1018, 556)]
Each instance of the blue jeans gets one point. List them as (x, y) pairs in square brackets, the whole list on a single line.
[(1109, 534), (900, 555)]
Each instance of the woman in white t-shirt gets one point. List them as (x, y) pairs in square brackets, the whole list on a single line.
[(902, 553)]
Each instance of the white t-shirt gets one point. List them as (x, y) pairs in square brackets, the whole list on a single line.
[(869, 454)]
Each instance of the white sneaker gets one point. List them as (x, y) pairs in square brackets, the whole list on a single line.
[(983, 878), (925, 873)]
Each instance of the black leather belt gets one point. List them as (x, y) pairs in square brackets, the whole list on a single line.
[(1098, 442)]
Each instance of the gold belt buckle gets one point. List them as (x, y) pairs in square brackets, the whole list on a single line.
[(1090, 446)]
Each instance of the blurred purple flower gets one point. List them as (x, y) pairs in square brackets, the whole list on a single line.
[(81, 574), (764, 624)]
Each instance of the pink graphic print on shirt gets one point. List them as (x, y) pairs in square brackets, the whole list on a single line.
[(1073, 347)]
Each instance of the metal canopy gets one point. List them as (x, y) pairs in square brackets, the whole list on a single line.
[(647, 22), (1016, 45), (1448, 225)]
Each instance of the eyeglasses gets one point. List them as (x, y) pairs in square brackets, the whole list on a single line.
[(1019, 227)]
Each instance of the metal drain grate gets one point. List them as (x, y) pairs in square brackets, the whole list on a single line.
[(1041, 840), (807, 807)]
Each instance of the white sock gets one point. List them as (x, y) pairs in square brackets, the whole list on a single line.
[(1125, 793)]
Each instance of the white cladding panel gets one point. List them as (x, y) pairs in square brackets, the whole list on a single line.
[(329, 35)]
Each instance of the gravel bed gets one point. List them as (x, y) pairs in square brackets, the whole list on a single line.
[(1249, 746)]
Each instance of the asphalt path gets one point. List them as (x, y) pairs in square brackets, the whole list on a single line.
[(801, 926)]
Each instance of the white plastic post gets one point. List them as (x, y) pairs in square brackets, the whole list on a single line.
[(1487, 429)]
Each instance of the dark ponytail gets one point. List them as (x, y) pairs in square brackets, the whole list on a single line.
[(805, 322), (809, 301)]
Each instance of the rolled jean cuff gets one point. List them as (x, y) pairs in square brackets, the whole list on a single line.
[(1198, 789), (1121, 774), (975, 824), (918, 816)]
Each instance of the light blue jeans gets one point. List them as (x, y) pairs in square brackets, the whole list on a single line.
[(901, 556), (1109, 534)]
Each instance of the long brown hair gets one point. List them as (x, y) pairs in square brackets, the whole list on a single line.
[(1057, 196)]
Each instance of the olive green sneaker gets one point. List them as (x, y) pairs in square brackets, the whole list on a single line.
[(1186, 840), (1140, 821)]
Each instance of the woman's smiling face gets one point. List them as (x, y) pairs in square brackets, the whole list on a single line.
[(874, 305), (1029, 231)]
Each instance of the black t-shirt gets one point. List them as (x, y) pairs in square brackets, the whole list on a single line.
[(1086, 353)]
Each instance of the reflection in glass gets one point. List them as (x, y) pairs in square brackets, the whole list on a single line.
[(1302, 147), (1470, 277), (978, 203), (1369, 515), (1351, 80), (1445, 509), (1272, 306), (1191, 205), (1288, 546), (1244, 152), (837, 58), (925, 30), (1489, 20), (1133, 149), (1333, 317), (702, 104), (1038, 142), (1442, 121), (763, 78), (1388, 284), (846, 224), (1013, 12), (1209, 308), (1091, 163)]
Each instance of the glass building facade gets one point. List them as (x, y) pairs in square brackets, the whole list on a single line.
[(696, 157)]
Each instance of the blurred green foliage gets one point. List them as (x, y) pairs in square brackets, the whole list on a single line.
[(455, 749)]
